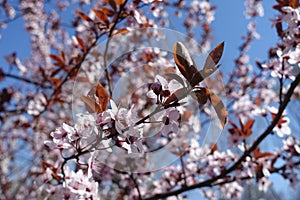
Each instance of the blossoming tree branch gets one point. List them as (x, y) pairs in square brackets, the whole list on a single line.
[(112, 102)]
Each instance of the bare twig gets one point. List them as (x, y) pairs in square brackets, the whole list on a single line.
[(107, 44), (136, 185), (26, 80)]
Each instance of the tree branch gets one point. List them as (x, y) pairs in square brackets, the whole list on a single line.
[(107, 44), (268, 131), (19, 78)]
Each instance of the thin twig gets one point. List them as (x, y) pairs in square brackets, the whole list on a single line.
[(183, 170), (136, 186), (107, 44), (26, 80)]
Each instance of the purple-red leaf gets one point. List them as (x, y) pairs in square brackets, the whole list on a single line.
[(184, 61), (96, 105), (218, 106), (213, 59)]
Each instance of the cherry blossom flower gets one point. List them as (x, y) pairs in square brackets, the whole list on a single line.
[(81, 185), (232, 190), (293, 56), (253, 8), (161, 88), (275, 66), (37, 105), (282, 128), (170, 121), (252, 29), (62, 137), (291, 145)]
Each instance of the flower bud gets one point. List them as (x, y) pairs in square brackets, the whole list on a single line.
[(156, 87)]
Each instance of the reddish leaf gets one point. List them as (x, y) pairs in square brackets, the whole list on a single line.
[(247, 128), (108, 12), (218, 106), (233, 124), (112, 3), (214, 147), (249, 124), (184, 61), (84, 16), (91, 103), (56, 58), (210, 66), (63, 56), (244, 131), (55, 81), (279, 29), (101, 16), (103, 96), (81, 43), (258, 154), (282, 3), (120, 2), (201, 75), (55, 72), (294, 3), (213, 59), (121, 31), (202, 95)]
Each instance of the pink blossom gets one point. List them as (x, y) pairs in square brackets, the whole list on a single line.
[(81, 185), (253, 8), (37, 105), (170, 122), (282, 128)]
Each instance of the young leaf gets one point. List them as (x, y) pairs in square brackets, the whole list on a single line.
[(91, 105), (96, 105), (213, 59), (101, 16), (258, 154), (201, 95), (120, 2), (108, 12), (248, 126), (210, 66), (197, 78), (58, 60), (81, 43), (184, 61), (121, 31), (218, 106), (112, 3), (294, 3), (84, 16), (103, 96)]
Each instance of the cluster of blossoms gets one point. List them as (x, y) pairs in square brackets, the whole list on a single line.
[(253, 8), (77, 186), (286, 55), (146, 115)]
